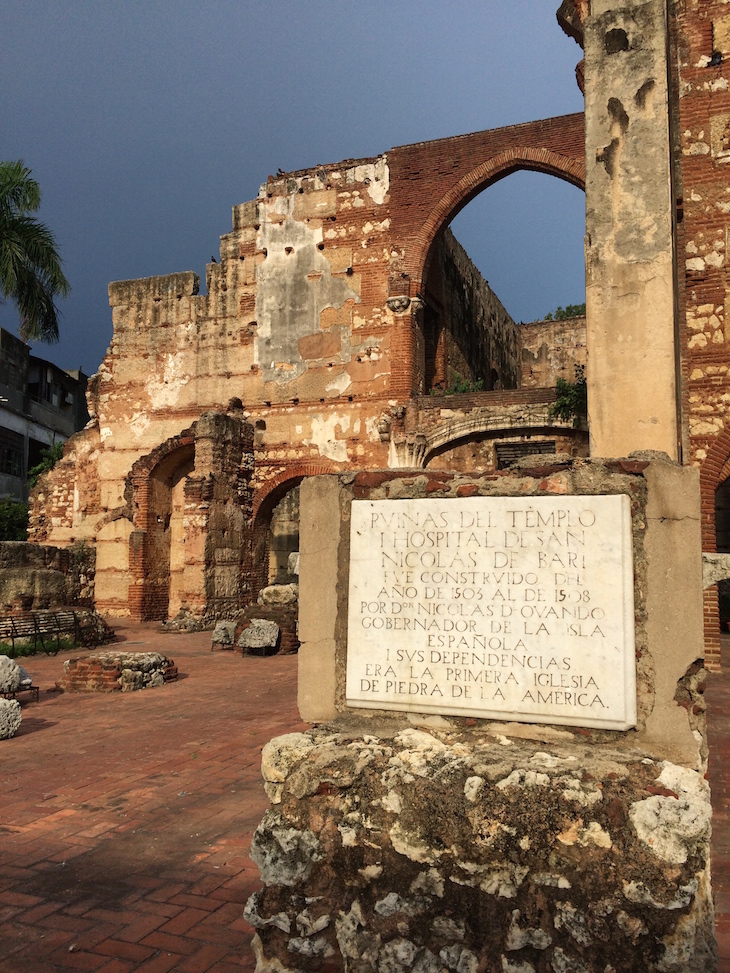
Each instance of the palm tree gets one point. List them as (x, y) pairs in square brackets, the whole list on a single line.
[(30, 267)]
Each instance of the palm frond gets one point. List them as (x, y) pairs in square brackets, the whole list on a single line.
[(30, 265)]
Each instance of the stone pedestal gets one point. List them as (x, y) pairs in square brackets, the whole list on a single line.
[(509, 777), (391, 847)]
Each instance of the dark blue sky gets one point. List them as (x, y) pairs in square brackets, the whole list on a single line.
[(145, 121)]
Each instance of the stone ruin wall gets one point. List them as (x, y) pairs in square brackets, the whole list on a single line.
[(34, 576), (471, 337), (550, 350), (701, 39), (296, 325)]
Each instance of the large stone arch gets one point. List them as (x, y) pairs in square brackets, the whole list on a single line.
[(201, 477), (476, 181), (431, 182), (264, 501), (531, 419)]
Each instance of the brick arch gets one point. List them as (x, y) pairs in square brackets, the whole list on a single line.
[(137, 483), (451, 434), (298, 472), (713, 472), (264, 501), (474, 182), (431, 181), (148, 595)]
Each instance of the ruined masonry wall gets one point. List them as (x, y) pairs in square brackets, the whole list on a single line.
[(550, 350), (296, 325), (701, 38), (479, 337)]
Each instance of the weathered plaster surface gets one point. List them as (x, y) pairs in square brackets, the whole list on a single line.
[(629, 244)]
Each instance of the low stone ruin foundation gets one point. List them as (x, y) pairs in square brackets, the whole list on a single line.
[(108, 672), (259, 630)]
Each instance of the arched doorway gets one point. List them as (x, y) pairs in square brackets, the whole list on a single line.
[(190, 504), (276, 532), (283, 537), (722, 542), (511, 253), (165, 531)]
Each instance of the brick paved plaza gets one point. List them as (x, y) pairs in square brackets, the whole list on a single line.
[(126, 820)]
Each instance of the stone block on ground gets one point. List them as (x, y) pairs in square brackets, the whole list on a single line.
[(224, 634), (262, 636), (26, 679), (293, 564), (10, 718), (9, 675), (279, 594), (392, 848)]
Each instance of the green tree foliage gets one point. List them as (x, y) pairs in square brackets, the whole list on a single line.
[(572, 398), (13, 520), (563, 313), (49, 458), (30, 267)]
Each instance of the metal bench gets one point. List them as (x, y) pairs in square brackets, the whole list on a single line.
[(42, 627), (33, 690)]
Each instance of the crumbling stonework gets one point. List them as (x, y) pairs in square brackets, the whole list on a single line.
[(116, 671), (395, 847), (550, 350), (471, 338), (10, 718), (34, 576), (339, 294)]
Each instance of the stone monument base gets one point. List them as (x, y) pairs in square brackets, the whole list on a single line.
[(393, 847)]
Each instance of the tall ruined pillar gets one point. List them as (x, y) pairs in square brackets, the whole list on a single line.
[(629, 230)]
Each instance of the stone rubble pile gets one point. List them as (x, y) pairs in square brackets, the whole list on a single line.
[(10, 718), (111, 671), (262, 636)]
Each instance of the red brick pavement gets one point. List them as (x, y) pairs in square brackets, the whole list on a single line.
[(126, 820)]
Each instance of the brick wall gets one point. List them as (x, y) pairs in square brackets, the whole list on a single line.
[(701, 39)]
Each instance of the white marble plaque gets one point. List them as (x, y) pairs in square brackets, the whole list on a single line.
[(510, 608)]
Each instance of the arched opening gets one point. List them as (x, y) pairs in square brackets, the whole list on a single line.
[(276, 534), (177, 536), (283, 538), (507, 253), (165, 530), (722, 541)]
